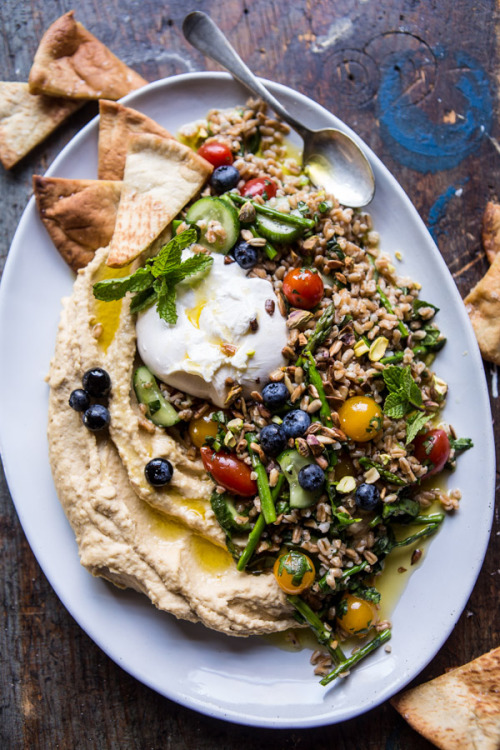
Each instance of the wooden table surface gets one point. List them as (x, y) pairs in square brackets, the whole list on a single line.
[(418, 81)]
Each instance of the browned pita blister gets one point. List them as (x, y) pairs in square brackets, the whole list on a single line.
[(491, 230), (161, 176), (483, 306), (79, 215), (71, 62), (459, 710), (26, 120), (117, 125)]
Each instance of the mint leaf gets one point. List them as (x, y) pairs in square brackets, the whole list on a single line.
[(113, 289), (395, 405), (169, 257), (414, 424), (415, 395), (196, 264), (166, 303), (143, 300), (393, 377), (406, 381)]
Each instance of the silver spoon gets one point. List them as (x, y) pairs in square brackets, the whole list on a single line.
[(332, 159)]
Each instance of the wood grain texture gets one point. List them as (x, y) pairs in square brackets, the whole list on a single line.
[(373, 64)]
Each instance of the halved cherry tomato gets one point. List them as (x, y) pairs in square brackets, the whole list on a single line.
[(294, 572), (432, 449), (218, 154), (201, 428), (228, 471), (360, 615), (259, 186), (303, 288), (360, 418)]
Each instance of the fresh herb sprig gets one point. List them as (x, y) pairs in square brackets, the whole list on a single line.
[(156, 281)]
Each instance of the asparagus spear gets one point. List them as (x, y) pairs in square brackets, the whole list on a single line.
[(325, 412), (346, 574), (323, 328), (325, 637), (266, 501), (298, 221), (355, 658), (270, 251), (260, 525), (385, 301)]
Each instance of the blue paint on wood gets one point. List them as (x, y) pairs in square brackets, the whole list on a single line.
[(412, 137), (438, 210)]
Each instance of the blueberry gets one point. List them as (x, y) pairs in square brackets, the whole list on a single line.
[(79, 399), (272, 439), (367, 497), (158, 472), (96, 382), (311, 477), (275, 395), (245, 255), (96, 417), (224, 178), (295, 423)]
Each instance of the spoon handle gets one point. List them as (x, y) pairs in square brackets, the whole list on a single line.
[(202, 33)]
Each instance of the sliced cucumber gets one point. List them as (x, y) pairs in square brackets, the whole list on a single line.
[(226, 514), (291, 463), (215, 209), (276, 230), (159, 410)]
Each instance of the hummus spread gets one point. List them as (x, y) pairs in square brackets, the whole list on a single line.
[(164, 542)]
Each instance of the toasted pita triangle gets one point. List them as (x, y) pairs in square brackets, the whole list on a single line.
[(459, 710), (491, 230), (117, 124), (483, 305), (161, 176), (79, 215), (26, 120), (70, 62)]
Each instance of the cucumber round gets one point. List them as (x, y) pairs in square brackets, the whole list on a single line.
[(215, 209), (276, 230)]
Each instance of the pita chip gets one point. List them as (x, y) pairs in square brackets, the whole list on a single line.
[(483, 305), (117, 124), (79, 215), (491, 230), (72, 63), (459, 710), (161, 176), (26, 120)]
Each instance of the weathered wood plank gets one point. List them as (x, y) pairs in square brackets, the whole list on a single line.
[(381, 68)]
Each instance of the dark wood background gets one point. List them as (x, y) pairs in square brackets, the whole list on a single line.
[(418, 80)]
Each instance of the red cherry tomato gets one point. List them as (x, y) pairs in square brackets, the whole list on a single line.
[(303, 288), (259, 186), (432, 449), (231, 473), (218, 154)]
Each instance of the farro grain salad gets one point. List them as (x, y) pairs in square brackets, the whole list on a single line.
[(277, 343)]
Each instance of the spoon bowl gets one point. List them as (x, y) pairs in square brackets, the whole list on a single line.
[(332, 160)]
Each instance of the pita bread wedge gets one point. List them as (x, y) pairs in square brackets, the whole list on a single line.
[(70, 62), (483, 305), (161, 176), (459, 710), (117, 124), (79, 215), (491, 230), (26, 120)]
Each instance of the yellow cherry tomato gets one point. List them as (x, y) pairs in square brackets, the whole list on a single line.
[(294, 572), (360, 418), (201, 428), (360, 617)]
